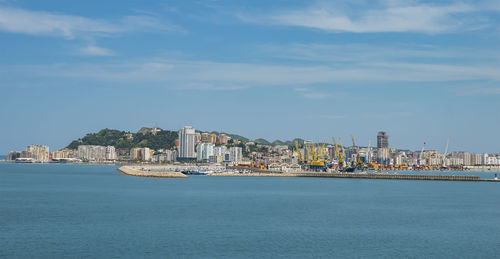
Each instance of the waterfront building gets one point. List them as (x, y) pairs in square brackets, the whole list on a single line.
[(220, 150), (58, 154), (25, 154), (171, 155), (110, 153), (39, 152), (92, 152), (143, 154), (187, 143), (204, 151), (382, 140), (215, 159), (383, 156), (476, 159), (235, 154), (13, 155)]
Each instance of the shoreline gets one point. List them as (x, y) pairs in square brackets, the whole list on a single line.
[(483, 169), (364, 176)]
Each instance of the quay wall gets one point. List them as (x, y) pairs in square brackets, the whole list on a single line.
[(136, 171), (363, 176)]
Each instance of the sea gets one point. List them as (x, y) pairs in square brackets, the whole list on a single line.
[(94, 211)]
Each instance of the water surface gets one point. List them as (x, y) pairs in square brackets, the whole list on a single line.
[(52, 210)]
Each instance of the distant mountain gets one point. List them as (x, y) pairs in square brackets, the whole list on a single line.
[(262, 141), (237, 137), (2, 157)]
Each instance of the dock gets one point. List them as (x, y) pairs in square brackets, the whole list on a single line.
[(144, 172), (363, 176)]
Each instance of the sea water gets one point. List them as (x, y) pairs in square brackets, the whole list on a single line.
[(58, 210)]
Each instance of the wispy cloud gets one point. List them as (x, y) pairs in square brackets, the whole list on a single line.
[(312, 94), (477, 90), (373, 16), (93, 50), (23, 21), (231, 76)]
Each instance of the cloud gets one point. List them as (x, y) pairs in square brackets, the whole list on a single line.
[(477, 90), (92, 50), (312, 94), (181, 74), (22, 21), (377, 16)]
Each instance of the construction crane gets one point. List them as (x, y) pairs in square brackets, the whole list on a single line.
[(368, 155), (359, 163), (445, 153), (343, 152), (421, 155), (299, 154), (337, 153)]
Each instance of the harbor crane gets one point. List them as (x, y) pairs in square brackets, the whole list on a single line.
[(343, 151), (299, 154), (419, 162), (359, 163), (445, 153), (337, 153)]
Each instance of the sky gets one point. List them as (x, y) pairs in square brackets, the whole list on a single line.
[(423, 71)]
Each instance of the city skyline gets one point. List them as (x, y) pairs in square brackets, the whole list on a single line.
[(422, 71)]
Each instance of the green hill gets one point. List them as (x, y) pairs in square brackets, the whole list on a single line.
[(117, 138), (262, 141)]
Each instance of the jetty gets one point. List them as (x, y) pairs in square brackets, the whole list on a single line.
[(147, 172), (361, 176)]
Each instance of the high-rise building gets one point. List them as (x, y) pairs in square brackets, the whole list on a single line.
[(92, 153), (140, 154), (220, 150), (204, 151), (235, 154), (39, 152), (187, 143), (382, 140), (110, 153), (13, 155)]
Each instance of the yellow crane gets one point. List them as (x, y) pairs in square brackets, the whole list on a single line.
[(359, 163), (299, 154), (343, 152), (338, 154)]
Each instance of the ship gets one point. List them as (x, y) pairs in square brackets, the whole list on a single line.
[(24, 160)]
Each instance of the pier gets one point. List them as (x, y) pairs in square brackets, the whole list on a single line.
[(363, 176), (145, 172)]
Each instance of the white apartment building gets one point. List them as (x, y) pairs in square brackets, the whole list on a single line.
[(187, 141)]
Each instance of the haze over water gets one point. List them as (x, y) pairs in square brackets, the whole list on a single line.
[(49, 211)]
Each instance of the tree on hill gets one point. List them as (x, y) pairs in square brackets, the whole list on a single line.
[(108, 137)]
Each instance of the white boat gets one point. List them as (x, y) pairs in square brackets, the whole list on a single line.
[(24, 160)]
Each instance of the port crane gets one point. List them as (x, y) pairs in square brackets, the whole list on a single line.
[(445, 153), (359, 163), (299, 154), (337, 153), (421, 155), (343, 152)]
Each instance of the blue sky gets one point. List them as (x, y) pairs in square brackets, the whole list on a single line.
[(420, 70)]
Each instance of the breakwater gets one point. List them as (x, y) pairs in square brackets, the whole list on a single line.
[(146, 172), (364, 176)]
